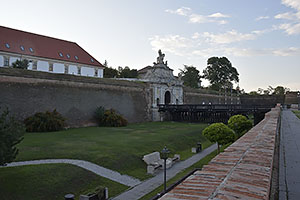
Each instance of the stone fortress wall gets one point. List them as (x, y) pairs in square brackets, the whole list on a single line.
[(76, 98)]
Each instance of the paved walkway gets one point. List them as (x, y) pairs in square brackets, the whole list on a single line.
[(101, 171), (152, 183), (289, 163)]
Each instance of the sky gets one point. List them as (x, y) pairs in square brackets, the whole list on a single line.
[(261, 38)]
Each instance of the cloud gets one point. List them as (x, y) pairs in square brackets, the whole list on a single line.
[(196, 45), (196, 18), (230, 37), (293, 26), (261, 18), (184, 11)]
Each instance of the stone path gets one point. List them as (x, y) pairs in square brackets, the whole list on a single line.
[(101, 171), (289, 163), (152, 183)]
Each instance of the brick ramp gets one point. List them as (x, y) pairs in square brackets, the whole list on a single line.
[(242, 171)]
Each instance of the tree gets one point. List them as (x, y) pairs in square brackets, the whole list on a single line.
[(110, 72), (253, 93), (21, 64), (220, 73), (220, 133), (280, 90), (126, 72), (190, 76), (239, 124), (11, 133)]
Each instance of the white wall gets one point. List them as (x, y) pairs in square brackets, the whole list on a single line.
[(12, 60), (73, 69), (87, 71), (30, 64), (42, 66), (100, 73), (1, 61), (58, 68)]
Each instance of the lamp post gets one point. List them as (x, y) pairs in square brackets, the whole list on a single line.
[(165, 153)]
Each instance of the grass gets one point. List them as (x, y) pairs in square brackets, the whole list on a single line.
[(50, 182), (297, 113), (120, 149), (180, 175)]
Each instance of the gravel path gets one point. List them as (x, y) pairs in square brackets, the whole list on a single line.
[(101, 171)]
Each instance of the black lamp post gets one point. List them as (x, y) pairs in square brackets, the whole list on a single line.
[(165, 153)]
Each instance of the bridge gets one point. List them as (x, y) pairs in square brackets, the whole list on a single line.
[(210, 113)]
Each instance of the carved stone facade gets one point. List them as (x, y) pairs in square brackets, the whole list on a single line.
[(166, 88)]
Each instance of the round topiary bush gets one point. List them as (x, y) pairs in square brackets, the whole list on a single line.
[(220, 133), (240, 124), (45, 122)]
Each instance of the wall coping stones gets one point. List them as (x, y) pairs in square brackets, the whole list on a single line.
[(242, 171)]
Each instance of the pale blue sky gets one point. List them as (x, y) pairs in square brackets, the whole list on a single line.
[(260, 37)]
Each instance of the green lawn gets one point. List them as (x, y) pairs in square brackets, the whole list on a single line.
[(119, 149), (297, 113), (50, 182)]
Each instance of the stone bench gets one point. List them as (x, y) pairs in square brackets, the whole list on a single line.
[(154, 162)]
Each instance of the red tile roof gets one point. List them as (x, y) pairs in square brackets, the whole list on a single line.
[(22, 42)]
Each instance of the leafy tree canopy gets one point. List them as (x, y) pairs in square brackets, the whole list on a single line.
[(220, 133), (220, 73), (240, 124), (190, 76), (125, 72), (11, 133), (21, 64)]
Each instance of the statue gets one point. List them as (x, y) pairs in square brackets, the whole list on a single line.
[(160, 58)]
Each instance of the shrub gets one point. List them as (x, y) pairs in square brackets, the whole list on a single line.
[(99, 115), (11, 133), (45, 122), (240, 124), (220, 133), (111, 118)]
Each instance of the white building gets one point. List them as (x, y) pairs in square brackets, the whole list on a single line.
[(166, 88), (46, 54)]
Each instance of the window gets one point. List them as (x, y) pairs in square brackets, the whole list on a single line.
[(157, 101), (92, 60), (6, 61), (60, 54), (31, 50), (7, 45), (68, 56), (22, 48), (76, 57)]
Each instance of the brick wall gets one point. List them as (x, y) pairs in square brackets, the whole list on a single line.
[(242, 171)]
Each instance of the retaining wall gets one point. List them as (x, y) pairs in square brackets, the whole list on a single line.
[(76, 98), (242, 171)]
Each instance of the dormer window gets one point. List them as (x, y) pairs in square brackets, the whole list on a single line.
[(22, 48), (60, 54), (31, 50), (76, 57), (68, 56), (7, 45), (92, 60)]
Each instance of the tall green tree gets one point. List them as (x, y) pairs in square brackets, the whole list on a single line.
[(280, 90), (21, 64), (110, 72), (11, 133), (190, 76), (220, 73)]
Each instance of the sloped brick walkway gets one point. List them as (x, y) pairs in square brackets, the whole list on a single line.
[(243, 171), (289, 163)]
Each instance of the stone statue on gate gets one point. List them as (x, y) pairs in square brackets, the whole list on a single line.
[(160, 59)]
